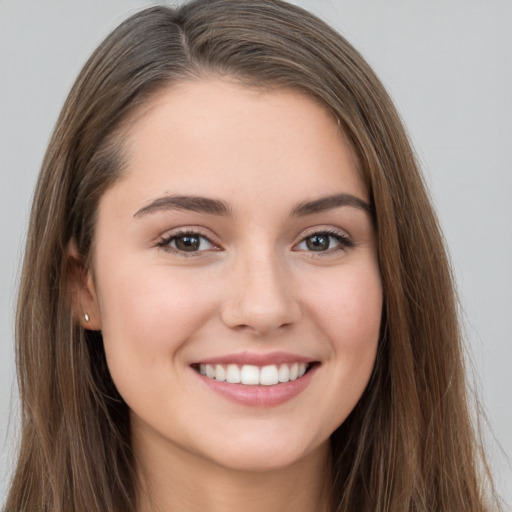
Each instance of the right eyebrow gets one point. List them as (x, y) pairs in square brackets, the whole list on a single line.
[(187, 203)]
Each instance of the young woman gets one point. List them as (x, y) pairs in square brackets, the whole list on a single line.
[(235, 293)]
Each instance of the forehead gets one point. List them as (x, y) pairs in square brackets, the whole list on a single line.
[(215, 137)]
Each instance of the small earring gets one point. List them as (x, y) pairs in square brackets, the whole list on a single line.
[(87, 317)]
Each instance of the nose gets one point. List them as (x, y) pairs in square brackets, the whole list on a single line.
[(260, 299)]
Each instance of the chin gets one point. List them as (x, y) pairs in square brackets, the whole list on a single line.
[(251, 454)]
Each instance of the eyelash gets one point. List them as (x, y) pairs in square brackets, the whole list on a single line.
[(164, 243), (342, 239)]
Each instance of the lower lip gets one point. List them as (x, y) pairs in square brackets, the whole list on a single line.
[(260, 396)]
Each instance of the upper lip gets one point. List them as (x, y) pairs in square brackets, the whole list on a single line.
[(256, 359)]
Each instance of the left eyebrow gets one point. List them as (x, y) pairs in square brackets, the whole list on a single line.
[(328, 203)]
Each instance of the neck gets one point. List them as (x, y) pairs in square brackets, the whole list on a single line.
[(173, 479)]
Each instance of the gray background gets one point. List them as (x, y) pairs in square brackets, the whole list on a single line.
[(446, 63)]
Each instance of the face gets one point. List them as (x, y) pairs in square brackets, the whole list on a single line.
[(235, 277)]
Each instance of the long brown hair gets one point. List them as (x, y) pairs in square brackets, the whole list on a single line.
[(409, 444)]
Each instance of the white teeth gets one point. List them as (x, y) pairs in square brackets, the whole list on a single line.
[(233, 374), (284, 373), (251, 375), (210, 371), (268, 375), (220, 373), (294, 371)]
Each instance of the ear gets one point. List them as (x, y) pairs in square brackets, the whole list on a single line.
[(82, 291)]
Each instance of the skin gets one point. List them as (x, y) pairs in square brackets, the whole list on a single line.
[(257, 288)]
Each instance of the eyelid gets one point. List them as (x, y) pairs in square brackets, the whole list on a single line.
[(344, 240), (331, 230), (165, 239)]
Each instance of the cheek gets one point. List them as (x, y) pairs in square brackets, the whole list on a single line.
[(353, 330), (345, 306), (349, 307), (148, 316)]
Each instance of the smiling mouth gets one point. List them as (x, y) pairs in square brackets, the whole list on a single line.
[(251, 375)]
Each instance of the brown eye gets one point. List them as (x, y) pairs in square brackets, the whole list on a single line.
[(324, 241), (318, 242), (187, 243)]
